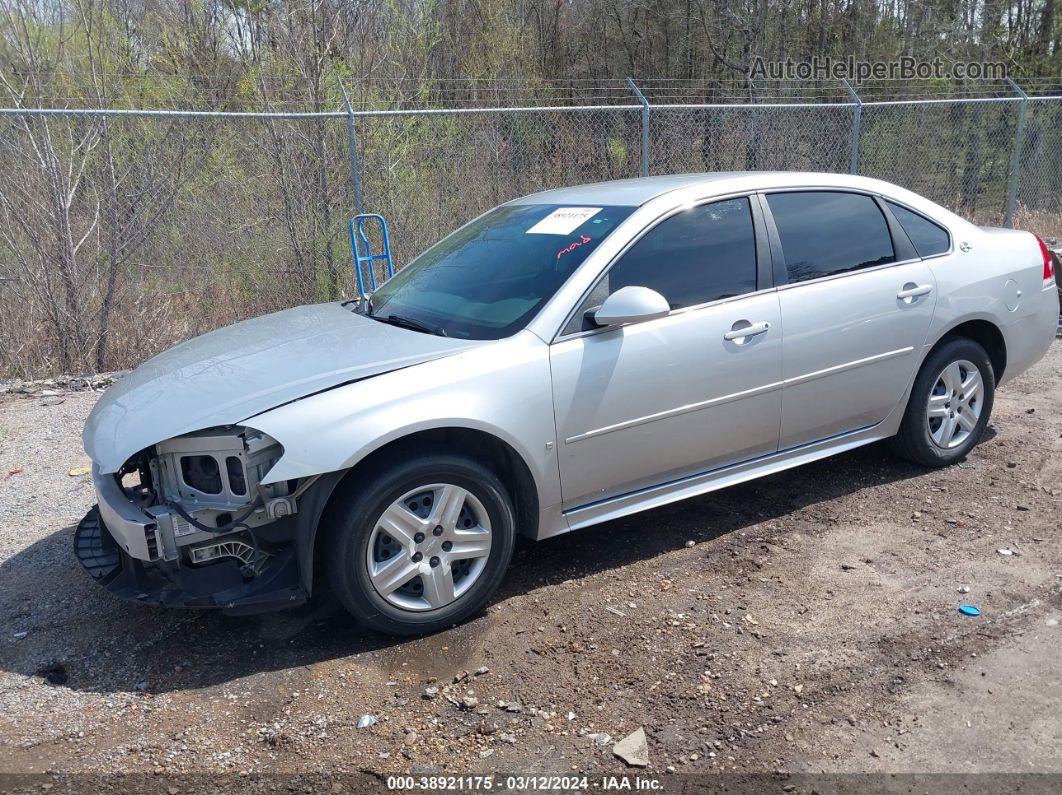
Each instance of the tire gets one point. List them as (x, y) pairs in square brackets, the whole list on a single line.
[(942, 378), (419, 497)]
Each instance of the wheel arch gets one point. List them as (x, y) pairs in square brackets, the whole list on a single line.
[(985, 333), (501, 456)]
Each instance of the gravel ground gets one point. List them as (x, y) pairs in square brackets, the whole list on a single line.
[(811, 626)]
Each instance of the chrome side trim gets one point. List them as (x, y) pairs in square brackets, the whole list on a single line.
[(840, 368), (661, 415), (715, 479), (691, 407)]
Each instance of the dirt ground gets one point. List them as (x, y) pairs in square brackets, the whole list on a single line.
[(811, 626)]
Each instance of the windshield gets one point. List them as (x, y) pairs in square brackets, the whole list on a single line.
[(488, 279)]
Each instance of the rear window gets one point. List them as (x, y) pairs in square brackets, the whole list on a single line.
[(927, 237), (826, 232)]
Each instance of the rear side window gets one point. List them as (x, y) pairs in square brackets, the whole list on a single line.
[(927, 238), (824, 233), (702, 254)]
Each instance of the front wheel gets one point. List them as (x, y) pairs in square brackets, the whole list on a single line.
[(949, 407), (421, 546)]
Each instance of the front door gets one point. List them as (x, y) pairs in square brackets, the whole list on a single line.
[(646, 403)]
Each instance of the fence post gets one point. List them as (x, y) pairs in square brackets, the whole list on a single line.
[(645, 126), (352, 149), (1015, 156), (857, 127)]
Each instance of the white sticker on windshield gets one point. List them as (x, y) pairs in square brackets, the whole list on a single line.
[(563, 220)]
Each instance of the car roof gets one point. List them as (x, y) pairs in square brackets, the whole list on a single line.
[(624, 192), (636, 192)]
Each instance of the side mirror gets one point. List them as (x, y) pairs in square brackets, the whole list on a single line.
[(630, 305)]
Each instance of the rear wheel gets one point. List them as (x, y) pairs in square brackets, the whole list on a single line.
[(422, 546), (950, 405)]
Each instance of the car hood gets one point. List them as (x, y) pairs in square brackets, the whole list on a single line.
[(228, 375)]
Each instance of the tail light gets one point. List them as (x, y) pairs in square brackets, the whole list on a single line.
[(1049, 265)]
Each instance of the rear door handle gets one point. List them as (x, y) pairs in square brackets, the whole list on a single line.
[(739, 331), (911, 290)]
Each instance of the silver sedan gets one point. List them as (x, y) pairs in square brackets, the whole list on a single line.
[(564, 359)]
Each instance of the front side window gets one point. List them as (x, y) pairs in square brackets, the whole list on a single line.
[(927, 238), (823, 233), (702, 254), (488, 279)]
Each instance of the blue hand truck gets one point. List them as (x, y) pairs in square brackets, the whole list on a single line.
[(359, 243)]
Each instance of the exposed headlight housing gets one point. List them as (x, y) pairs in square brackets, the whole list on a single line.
[(214, 478), (219, 469)]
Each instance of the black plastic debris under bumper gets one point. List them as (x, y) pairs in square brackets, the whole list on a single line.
[(218, 585)]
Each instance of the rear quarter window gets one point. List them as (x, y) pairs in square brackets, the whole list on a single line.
[(927, 237)]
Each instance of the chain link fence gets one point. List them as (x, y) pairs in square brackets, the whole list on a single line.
[(123, 232), (428, 173), (958, 154), (749, 138), (1038, 184)]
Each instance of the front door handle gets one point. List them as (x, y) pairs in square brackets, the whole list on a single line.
[(743, 329), (911, 291)]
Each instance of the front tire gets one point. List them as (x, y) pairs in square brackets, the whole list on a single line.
[(950, 405), (422, 545)]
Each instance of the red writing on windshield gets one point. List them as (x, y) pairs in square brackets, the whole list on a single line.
[(573, 246)]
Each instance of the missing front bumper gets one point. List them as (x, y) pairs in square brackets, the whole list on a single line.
[(218, 585)]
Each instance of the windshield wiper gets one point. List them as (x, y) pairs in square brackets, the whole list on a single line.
[(410, 323)]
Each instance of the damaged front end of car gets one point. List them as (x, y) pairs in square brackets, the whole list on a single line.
[(189, 522)]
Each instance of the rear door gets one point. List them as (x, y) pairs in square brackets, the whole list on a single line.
[(856, 307)]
